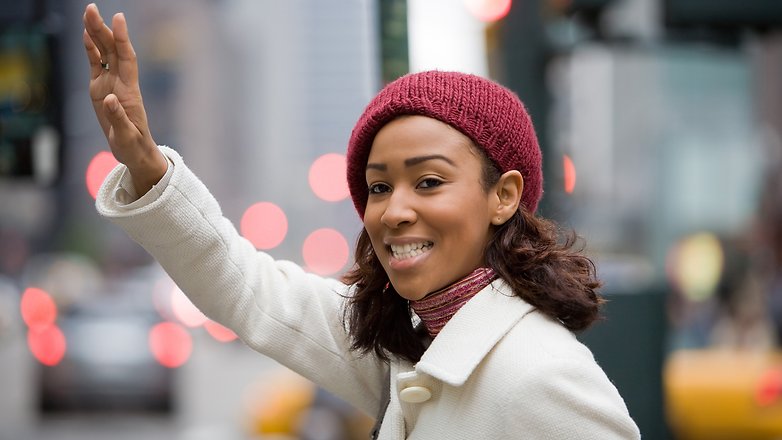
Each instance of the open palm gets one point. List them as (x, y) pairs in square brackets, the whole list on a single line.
[(116, 97)]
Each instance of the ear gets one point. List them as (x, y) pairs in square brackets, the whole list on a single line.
[(505, 197)]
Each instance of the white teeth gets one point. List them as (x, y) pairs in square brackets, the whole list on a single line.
[(401, 252)]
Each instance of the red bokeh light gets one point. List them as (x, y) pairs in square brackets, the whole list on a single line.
[(47, 344), (219, 332), (184, 310), (488, 10), (769, 390), (264, 224), (327, 177), (570, 174), (171, 344), (99, 167), (38, 308), (325, 251)]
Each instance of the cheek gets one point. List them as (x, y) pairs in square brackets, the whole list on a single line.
[(466, 213), (372, 226), (468, 228)]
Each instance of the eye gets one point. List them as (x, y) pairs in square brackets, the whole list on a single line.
[(379, 188), (430, 182)]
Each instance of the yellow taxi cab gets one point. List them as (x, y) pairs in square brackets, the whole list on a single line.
[(724, 394)]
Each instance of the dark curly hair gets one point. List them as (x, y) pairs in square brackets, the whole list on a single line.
[(542, 265)]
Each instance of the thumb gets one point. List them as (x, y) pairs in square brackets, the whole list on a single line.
[(124, 130)]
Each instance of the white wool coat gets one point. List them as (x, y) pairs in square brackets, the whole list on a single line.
[(498, 370)]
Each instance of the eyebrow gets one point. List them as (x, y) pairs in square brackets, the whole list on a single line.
[(412, 162)]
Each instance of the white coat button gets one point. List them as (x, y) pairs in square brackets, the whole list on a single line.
[(415, 394)]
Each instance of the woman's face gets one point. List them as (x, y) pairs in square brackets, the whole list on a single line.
[(427, 214)]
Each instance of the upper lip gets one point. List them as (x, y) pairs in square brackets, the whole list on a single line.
[(399, 241)]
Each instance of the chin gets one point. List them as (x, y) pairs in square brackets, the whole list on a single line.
[(409, 293), (406, 292)]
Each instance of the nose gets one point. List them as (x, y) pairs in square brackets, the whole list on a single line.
[(398, 210)]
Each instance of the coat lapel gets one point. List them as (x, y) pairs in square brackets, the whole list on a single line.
[(472, 332)]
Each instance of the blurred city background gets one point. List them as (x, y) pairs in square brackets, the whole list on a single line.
[(661, 125)]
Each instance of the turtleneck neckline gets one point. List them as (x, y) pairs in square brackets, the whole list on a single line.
[(437, 308)]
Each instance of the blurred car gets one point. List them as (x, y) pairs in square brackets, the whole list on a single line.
[(285, 405), (720, 394), (107, 363)]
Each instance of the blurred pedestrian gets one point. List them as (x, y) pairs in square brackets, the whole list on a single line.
[(767, 245), (456, 321)]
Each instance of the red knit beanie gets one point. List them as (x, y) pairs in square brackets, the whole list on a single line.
[(486, 112)]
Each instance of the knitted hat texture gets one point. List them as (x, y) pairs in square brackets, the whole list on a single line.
[(486, 112)]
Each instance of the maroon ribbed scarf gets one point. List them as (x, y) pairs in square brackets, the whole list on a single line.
[(438, 307)]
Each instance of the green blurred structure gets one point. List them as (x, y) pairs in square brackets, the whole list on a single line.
[(630, 346)]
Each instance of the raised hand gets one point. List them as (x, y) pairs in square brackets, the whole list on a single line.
[(116, 98)]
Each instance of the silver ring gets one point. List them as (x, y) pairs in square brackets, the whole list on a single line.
[(104, 66)]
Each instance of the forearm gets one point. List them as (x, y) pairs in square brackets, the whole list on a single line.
[(275, 307)]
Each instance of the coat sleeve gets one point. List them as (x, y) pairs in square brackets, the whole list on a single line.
[(566, 399), (275, 307)]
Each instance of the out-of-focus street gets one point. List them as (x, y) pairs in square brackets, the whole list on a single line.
[(228, 374), (100, 427), (660, 124)]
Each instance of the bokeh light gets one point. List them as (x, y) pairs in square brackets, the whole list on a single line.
[(47, 344), (99, 167), (38, 309), (569, 173), (769, 389), (264, 224), (184, 310), (219, 332), (171, 344), (327, 177), (488, 10), (695, 265), (325, 251)]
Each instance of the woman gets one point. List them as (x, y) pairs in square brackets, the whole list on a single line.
[(445, 171)]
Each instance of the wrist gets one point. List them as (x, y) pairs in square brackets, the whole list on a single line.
[(148, 172)]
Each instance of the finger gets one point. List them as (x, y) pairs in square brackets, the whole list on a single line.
[(124, 130), (93, 55), (94, 24), (127, 66), (100, 33)]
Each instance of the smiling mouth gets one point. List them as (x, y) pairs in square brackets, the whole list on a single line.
[(405, 251)]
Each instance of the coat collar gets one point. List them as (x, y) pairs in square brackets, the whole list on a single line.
[(472, 332)]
